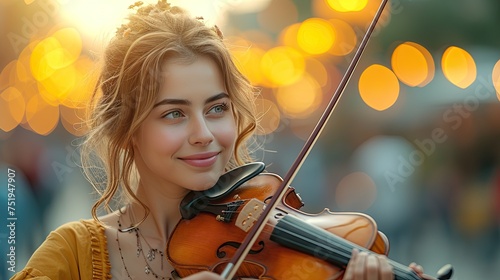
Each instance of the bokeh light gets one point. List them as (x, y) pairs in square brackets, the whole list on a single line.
[(413, 64), (55, 52), (55, 88), (248, 60), (474, 215), (357, 12), (316, 36), (282, 65), (8, 75), (346, 39), (288, 36), (495, 75), (12, 106), (300, 99), (24, 63), (45, 55), (347, 5), (23, 72), (81, 90), (73, 119), (269, 116), (378, 87), (355, 192), (458, 67), (42, 117), (317, 70), (71, 46)]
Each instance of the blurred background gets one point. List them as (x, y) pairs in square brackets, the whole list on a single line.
[(413, 142)]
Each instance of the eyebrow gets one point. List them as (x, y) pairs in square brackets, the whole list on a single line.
[(187, 102)]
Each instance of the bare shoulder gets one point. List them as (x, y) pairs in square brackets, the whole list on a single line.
[(110, 220)]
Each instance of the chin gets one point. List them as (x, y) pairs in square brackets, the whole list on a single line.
[(204, 184), (203, 180)]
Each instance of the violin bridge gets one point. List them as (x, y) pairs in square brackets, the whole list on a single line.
[(249, 214)]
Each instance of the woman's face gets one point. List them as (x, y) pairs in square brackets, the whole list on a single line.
[(188, 138)]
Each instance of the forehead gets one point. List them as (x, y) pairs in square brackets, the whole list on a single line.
[(179, 78)]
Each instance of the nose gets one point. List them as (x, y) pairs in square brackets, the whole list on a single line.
[(200, 135)]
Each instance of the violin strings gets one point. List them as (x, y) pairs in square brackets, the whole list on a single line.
[(343, 249), (345, 252)]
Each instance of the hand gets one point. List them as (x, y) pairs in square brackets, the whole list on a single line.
[(364, 266), (204, 275), (418, 269)]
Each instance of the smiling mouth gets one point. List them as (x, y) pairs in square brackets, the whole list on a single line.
[(201, 160)]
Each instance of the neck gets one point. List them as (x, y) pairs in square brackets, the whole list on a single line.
[(162, 217)]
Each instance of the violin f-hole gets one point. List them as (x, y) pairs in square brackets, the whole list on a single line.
[(221, 254)]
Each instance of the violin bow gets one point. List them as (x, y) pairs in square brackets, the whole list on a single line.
[(240, 255)]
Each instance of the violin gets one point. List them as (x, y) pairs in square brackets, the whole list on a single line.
[(251, 223), (293, 244)]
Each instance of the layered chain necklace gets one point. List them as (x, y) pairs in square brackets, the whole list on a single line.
[(150, 256)]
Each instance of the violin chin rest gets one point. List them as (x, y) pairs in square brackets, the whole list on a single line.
[(232, 179), (195, 201)]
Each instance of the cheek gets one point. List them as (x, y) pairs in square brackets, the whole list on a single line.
[(158, 140), (227, 134)]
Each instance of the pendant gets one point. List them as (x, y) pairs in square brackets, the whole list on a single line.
[(151, 255), (147, 270)]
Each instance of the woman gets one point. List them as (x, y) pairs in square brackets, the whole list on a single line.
[(171, 113)]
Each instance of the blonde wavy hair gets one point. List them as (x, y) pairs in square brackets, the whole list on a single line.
[(127, 89)]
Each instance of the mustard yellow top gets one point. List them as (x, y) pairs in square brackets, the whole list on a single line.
[(76, 250)]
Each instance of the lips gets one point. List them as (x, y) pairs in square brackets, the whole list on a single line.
[(201, 160)]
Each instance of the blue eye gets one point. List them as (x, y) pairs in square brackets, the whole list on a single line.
[(219, 108), (173, 115)]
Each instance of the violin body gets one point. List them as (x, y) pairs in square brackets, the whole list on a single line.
[(207, 241)]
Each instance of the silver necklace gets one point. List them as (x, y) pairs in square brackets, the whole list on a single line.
[(151, 254)]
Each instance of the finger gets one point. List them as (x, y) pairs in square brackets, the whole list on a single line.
[(359, 266), (417, 268), (372, 267), (385, 269), (348, 275)]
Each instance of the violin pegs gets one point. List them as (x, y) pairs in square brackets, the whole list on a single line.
[(445, 272)]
